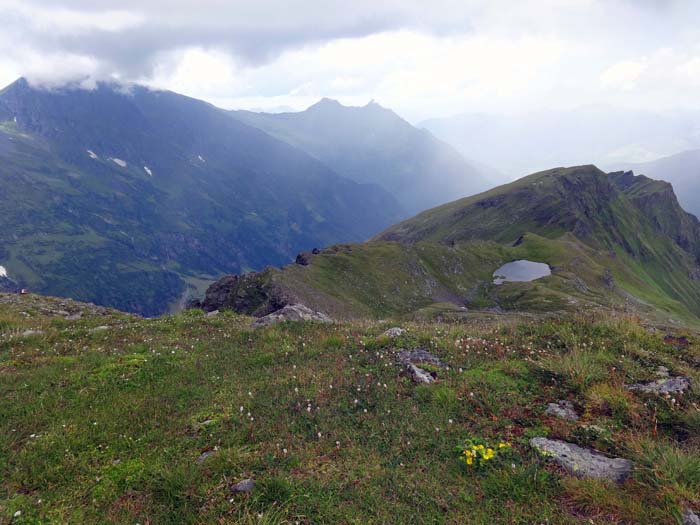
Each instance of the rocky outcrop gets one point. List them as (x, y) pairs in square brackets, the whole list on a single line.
[(671, 385), (582, 462), (562, 409), (676, 342), (410, 359), (292, 312), (251, 294), (394, 332), (304, 258)]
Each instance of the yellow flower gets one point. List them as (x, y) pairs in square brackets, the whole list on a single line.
[(470, 460)]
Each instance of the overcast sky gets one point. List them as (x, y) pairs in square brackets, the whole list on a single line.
[(421, 58)]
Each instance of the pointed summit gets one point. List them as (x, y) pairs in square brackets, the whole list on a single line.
[(372, 144), (325, 103)]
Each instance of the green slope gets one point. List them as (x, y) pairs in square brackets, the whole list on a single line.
[(125, 198), (122, 420), (613, 241)]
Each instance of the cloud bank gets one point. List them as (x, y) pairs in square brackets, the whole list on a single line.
[(450, 56)]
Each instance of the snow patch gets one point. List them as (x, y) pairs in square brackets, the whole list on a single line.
[(201, 159), (119, 162), (148, 170), (92, 154), (3, 271)]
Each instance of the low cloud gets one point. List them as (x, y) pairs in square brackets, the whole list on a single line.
[(450, 56)]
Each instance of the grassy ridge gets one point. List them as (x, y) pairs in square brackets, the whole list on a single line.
[(110, 424)]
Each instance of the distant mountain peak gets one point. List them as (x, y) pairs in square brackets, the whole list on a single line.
[(326, 102)]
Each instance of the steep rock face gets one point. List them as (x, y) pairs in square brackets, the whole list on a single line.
[(123, 196), (658, 202), (683, 171)]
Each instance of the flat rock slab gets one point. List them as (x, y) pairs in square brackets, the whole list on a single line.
[(417, 356), (410, 359), (582, 462), (292, 312), (394, 332), (563, 409), (671, 385)]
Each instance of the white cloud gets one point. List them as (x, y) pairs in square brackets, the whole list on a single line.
[(623, 75), (450, 56)]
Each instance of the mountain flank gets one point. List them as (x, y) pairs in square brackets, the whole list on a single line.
[(372, 144), (612, 241), (134, 198)]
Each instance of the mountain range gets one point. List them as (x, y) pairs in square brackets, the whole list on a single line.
[(613, 241), (136, 198), (372, 144)]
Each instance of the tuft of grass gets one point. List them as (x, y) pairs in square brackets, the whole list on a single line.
[(579, 367), (669, 468)]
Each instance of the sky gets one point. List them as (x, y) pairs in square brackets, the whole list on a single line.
[(422, 59)]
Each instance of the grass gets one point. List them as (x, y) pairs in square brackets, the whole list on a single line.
[(111, 425)]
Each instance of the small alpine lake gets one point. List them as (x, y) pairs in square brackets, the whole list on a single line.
[(521, 271)]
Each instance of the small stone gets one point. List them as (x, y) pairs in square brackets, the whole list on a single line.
[(99, 329), (204, 455), (213, 313), (243, 486), (394, 332), (419, 375), (563, 409), (410, 359), (74, 317), (582, 462), (690, 518), (672, 385), (28, 333)]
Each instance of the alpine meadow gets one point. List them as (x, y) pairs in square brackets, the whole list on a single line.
[(349, 263)]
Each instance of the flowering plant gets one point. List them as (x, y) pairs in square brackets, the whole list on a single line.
[(478, 453)]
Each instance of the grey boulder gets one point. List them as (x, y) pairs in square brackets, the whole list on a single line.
[(581, 462), (394, 332), (410, 359), (690, 518), (243, 486), (671, 385), (563, 409)]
